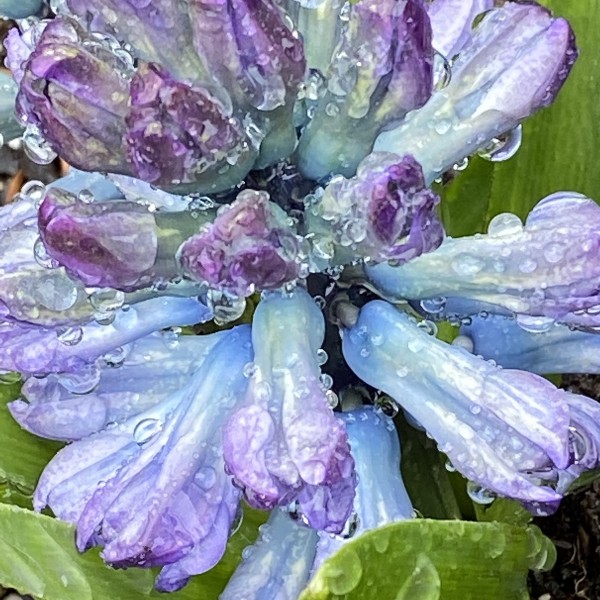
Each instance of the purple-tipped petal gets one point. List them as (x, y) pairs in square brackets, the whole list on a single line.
[(384, 213), (502, 429), (517, 61), (152, 490), (248, 247), (284, 443), (546, 268), (381, 496), (76, 92), (381, 70), (179, 135), (452, 23), (154, 368)]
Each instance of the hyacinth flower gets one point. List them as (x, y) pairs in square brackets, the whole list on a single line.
[(278, 565), (382, 68), (515, 63), (283, 444), (553, 348), (383, 213), (35, 349), (508, 431), (381, 497), (115, 390), (165, 499), (533, 269)]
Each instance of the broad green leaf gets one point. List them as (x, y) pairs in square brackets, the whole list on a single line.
[(38, 557), (422, 559), (425, 476), (23, 455)]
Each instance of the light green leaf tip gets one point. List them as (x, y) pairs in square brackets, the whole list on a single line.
[(424, 559)]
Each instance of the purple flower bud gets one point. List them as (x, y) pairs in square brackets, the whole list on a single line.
[(179, 136), (515, 64), (36, 350), (75, 91), (508, 431), (278, 565), (537, 269), (116, 244), (381, 497), (284, 443), (152, 489), (250, 49), (248, 247), (381, 70), (383, 213), (533, 344), (452, 23)]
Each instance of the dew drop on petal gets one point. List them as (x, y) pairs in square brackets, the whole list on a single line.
[(146, 430)]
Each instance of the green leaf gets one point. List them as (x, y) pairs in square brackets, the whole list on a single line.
[(38, 557), (424, 474), (503, 510), (422, 559), (23, 455)]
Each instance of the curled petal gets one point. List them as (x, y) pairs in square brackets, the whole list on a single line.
[(515, 64), (277, 565), (384, 213), (499, 428), (152, 490), (284, 443), (248, 247), (537, 269), (452, 23), (381, 70)]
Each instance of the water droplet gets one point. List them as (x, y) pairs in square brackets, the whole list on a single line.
[(332, 398), (262, 391), (429, 327), (226, 307), (320, 302), (479, 494), (249, 370), (503, 147), (42, 257), (35, 190), (467, 265), (106, 300), (69, 336), (238, 519), (85, 196), (115, 358), (442, 72), (326, 381), (461, 165), (463, 341), (577, 445), (554, 252), (505, 224), (322, 357), (82, 381), (433, 306), (351, 526), (146, 430), (450, 467), (332, 109), (170, 337), (36, 147), (205, 478), (388, 406), (534, 324)]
